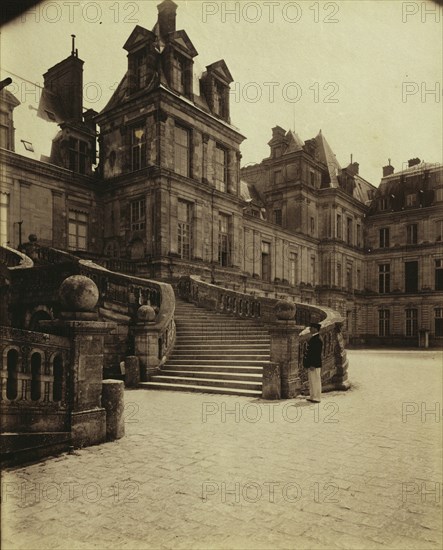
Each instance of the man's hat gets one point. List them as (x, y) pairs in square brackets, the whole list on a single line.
[(315, 325)]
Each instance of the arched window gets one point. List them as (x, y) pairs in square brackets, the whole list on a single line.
[(57, 389), (11, 384), (36, 368)]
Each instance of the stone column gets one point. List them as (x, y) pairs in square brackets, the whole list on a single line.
[(79, 322)]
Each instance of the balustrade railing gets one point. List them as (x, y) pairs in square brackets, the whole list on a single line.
[(14, 259), (34, 371)]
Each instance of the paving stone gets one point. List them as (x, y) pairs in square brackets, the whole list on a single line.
[(166, 483)]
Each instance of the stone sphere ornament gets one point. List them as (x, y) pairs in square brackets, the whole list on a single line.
[(78, 293), (284, 311), (146, 314)]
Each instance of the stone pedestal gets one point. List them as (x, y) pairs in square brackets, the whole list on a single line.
[(284, 352), (78, 296), (114, 403), (271, 382), (132, 371)]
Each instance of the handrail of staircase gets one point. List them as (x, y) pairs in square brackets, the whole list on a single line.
[(286, 322), (13, 259)]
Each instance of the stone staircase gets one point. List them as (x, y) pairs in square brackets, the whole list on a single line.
[(214, 353)]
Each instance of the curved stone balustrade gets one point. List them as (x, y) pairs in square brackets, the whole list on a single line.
[(120, 297), (288, 335), (13, 259)]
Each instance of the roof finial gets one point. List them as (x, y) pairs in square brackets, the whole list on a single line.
[(351, 158), (389, 162), (73, 50)]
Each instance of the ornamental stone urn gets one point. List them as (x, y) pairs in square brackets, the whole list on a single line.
[(284, 311)]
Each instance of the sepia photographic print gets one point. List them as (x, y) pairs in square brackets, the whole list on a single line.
[(221, 274)]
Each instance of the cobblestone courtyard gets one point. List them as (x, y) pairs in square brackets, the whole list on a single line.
[(360, 470)]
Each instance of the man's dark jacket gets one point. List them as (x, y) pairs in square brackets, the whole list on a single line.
[(312, 356)]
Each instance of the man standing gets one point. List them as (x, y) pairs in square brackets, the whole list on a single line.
[(312, 362)]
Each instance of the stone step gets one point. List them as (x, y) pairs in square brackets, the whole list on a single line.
[(215, 368), (231, 353), (200, 389), (238, 346), (214, 382), (220, 361), (243, 376), (224, 356)]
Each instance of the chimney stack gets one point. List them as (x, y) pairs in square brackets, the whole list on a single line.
[(388, 170), (167, 12), (413, 162)]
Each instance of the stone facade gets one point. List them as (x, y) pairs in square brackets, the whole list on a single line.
[(168, 197)]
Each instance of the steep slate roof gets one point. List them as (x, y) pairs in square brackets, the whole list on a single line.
[(294, 142), (326, 155)]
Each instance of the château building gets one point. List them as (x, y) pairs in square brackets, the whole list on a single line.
[(159, 192)]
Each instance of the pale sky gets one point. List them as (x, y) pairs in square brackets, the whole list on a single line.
[(365, 72)]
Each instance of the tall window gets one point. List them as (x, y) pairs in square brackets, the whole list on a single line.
[(313, 270), (4, 215), (411, 233), (293, 268), (221, 168), (411, 322), (278, 218), (138, 147), (411, 199), (78, 152), (438, 230), (384, 237), (383, 203), (384, 278), (359, 239), (278, 176), (339, 277), (438, 321), (179, 74), (181, 150), (438, 274), (349, 231), (384, 318), (224, 240), (184, 229), (411, 276), (4, 130), (219, 100), (141, 70), (138, 215), (339, 227), (266, 261), (78, 230), (312, 226), (349, 277)]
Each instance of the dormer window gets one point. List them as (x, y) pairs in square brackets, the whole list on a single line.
[(141, 70), (219, 100), (138, 147), (78, 152), (179, 74)]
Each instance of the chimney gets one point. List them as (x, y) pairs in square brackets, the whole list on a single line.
[(388, 170), (413, 162), (354, 167), (278, 132), (65, 81), (167, 12)]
